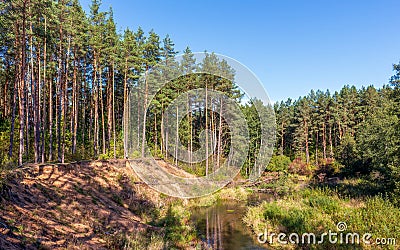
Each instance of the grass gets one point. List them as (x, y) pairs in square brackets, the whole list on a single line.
[(178, 231), (231, 193), (284, 184), (137, 240), (319, 210)]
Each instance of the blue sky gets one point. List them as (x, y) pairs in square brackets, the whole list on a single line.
[(292, 46)]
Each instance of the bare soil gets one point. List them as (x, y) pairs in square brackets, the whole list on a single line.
[(74, 206)]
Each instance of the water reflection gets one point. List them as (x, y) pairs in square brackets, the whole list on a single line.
[(221, 227)]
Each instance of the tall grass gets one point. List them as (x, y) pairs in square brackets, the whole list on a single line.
[(319, 210)]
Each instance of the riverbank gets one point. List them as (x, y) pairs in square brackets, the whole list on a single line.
[(85, 205), (321, 210)]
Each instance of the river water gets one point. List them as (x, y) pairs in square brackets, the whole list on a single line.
[(221, 226)]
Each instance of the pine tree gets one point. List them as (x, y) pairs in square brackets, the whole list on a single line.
[(151, 55), (302, 132), (188, 67), (112, 42)]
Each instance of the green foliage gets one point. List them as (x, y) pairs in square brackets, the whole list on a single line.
[(323, 202), (279, 163), (347, 151), (283, 185), (232, 194), (135, 154), (178, 231)]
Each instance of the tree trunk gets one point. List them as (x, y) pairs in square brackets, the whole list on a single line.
[(14, 104), (206, 127), (144, 111), (324, 139), (34, 99), (282, 137), (155, 133), (103, 130), (162, 129), (330, 141), (219, 132), (191, 133), (74, 115), (214, 137), (96, 109), (110, 96), (177, 136), (124, 125), (85, 97), (187, 111), (27, 115), (21, 87), (50, 121), (306, 141), (44, 110), (113, 109), (64, 99), (60, 97), (165, 129), (316, 148)]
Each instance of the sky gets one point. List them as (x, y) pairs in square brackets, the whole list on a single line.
[(291, 46)]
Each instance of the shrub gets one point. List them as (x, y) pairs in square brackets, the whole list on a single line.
[(278, 163), (178, 229), (135, 154), (298, 166), (103, 157)]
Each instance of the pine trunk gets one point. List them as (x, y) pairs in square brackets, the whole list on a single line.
[(306, 141), (103, 129), (144, 112), (206, 127), (113, 110), (219, 133)]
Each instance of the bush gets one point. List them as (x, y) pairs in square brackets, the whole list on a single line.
[(103, 157), (282, 185), (278, 163), (135, 154), (298, 166), (178, 229)]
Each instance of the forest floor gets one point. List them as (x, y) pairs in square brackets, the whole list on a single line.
[(83, 205)]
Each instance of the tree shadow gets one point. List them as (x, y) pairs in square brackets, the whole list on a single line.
[(80, 200)]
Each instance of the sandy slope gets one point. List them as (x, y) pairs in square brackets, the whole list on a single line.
[(77, 205)]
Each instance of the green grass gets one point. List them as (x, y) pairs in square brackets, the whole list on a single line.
[(319, 210), (178, 231), (232, 193), (137, 240)]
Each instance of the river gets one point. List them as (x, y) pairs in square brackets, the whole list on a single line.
[(221, 226)]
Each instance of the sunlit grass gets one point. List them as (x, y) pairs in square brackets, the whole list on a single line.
[(231, 193), (319, 210)]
